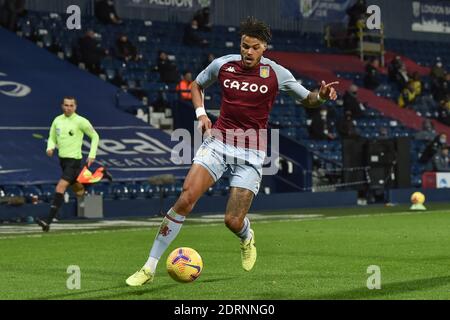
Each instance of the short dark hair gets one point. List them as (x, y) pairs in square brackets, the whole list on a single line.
[(69, 98), (252, 27)]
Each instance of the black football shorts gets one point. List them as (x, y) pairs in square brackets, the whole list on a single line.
[(71, 168)]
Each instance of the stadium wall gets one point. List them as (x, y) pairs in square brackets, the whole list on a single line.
[(230, 12), (60, 6), (215, 205), (395, 30), (206, 205), (431, 195)]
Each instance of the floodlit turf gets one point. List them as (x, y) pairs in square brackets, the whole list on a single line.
[(320, 258)]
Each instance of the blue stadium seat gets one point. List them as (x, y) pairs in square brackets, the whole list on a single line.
[(416, 181), (110, 73), (48, 190), (13, 191), (136, 191), (30, 191), (102, 189), (149, 190), (172, 190), (119, 191)]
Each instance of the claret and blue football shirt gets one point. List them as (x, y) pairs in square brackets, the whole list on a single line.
[(248, 94)]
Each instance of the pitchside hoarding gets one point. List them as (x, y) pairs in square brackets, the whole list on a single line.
[(325, 10), (187, 5), (431, 16)]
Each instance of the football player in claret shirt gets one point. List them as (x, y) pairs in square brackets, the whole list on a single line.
[(249, 83)]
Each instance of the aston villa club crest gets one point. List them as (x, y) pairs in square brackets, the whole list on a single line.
[(264, 71), (164, 230)]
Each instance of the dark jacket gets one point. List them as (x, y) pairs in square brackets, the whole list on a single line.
[(351, 103), (168, 71), (371, 79), (103, 11), (441, 163), (320, 128), (90, 50), (430, 150), (126, 50), (347, 129), (202, 17), (356, 12), (191, 37), (10, 11), (444, 116)]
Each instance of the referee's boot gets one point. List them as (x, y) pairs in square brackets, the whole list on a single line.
[(44, 225)]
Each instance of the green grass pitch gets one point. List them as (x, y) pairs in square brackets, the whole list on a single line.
[(325, 256)]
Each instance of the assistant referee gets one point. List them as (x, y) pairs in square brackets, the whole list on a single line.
[(66, 134)]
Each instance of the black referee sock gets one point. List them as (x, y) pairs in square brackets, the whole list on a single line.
[(57, 202)]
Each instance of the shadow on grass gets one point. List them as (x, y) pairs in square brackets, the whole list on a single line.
[(444, 258), (75, 293), (217, 279), (389, 290), (151, 289), (130, 291), (124, 292)]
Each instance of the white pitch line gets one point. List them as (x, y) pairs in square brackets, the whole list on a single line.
[(96, 227), (23, 229)]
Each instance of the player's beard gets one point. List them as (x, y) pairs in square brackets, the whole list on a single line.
[(249, 62)]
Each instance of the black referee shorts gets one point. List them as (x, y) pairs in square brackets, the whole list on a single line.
[(71, 168)]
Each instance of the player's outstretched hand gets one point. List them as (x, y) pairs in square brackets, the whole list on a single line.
[(204, 124), (327, 91)]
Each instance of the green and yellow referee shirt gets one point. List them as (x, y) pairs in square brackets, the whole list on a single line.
[(66, 133)]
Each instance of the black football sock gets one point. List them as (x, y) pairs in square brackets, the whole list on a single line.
[(58, 200)]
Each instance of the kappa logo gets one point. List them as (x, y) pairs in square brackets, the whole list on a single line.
[(230, 69)]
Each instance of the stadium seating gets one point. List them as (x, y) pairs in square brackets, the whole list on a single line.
[(13, 191), (32, 191), (151, 36), (47, 191), (424, 52)]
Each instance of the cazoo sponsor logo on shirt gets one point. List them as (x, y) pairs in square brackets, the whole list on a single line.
[(245, 86)]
